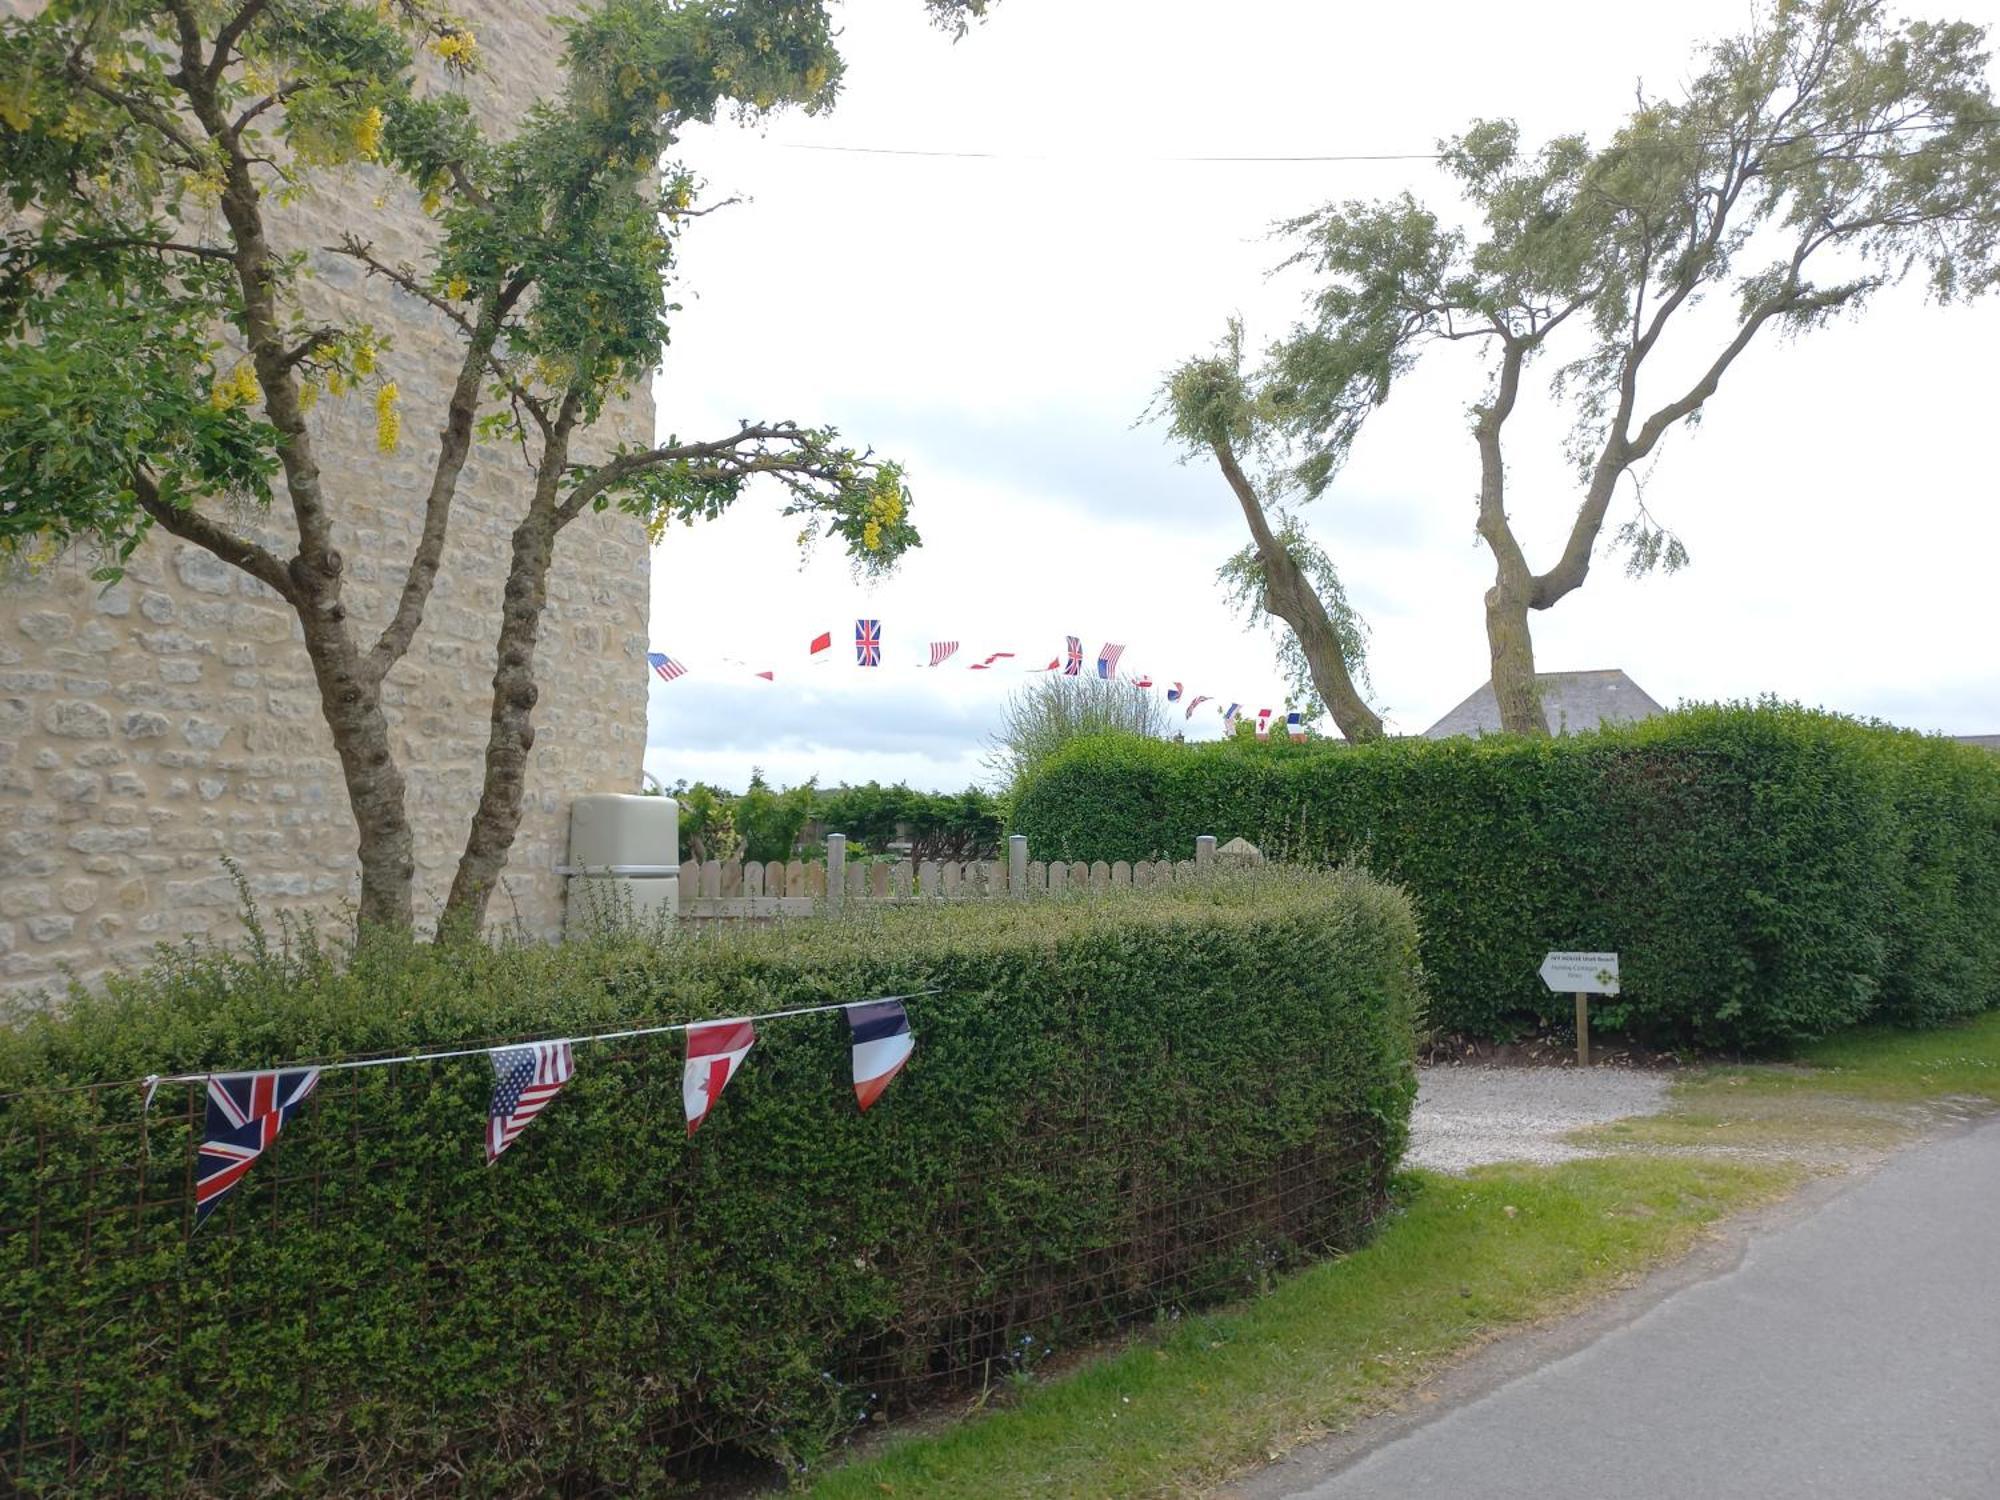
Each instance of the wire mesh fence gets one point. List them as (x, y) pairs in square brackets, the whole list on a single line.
[(370, 1240)]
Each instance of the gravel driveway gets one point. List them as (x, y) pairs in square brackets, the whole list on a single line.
[(1469, 1116)]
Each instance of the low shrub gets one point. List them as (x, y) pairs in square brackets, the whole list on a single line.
[(1767, 874), (1117, 1103)]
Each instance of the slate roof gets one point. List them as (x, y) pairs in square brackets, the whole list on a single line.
[(1572, 702), (1983, 741)]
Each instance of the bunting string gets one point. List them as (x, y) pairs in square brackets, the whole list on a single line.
[(870, 653)]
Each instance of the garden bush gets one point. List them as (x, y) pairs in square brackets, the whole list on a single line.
[(1767, 874), (1117, 1103)]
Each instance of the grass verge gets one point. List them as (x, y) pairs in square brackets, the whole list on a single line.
[(1858, 1092), (1460, 1259)]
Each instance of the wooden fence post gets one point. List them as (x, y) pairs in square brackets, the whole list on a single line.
[(836, 870), (1017, 865), (1204, 854)]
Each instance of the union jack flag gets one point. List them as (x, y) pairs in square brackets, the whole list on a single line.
[(1196, 702), (868, 643), (245, 1113), (525, 1079), (1073, 659), (665, 665), (1107, 660), (943, 651)]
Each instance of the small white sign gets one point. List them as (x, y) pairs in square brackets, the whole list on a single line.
[(1581, 973)]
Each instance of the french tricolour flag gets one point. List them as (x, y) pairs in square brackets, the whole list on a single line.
[(715, 1050), (1296, 723), (882, 1044)]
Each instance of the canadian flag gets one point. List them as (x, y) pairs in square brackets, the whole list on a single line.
[(716, 1049), (1263, 723)]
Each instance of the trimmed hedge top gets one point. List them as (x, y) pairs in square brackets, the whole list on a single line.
[(1116, 1103), (1768, 874)]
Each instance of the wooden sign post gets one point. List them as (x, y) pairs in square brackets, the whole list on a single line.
[(1583, 975)]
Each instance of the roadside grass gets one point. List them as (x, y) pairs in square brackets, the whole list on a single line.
[(1862, 1091), (1460, 1259)]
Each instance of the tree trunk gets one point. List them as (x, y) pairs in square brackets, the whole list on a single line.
[(512, 735), (351, 700), (1509, 644), (1289, 595), (1511, 647)]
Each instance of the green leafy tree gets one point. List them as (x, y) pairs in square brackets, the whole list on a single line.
[(159, 352), (707, 822), (1824, 155), (1213, 407), (770, 820), (1052, 710), (939, 825)]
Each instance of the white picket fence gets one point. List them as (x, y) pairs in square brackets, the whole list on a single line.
[(738, 889)]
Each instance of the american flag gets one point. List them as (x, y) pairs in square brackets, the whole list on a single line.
[(868, 643), (1196, 702), (665, 665), (1107, 660), (943, 651), (245, 1113), (525, 1079), (1073, 658), (981, 666)]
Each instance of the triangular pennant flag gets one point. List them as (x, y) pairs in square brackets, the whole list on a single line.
[(1263, 723), (868, 643), (1296, 723), (821, 642), (525, 1079), (715, 1050), (882, 1044), (665, 665), (1195, 702), (942, 651), (245, 1113), (1174, 694), (1107, 660), (1072, 656)]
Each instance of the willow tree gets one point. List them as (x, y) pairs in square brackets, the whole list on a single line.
[(1809, 164), (160, 350)]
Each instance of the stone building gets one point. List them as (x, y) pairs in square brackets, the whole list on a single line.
[(150, 729)]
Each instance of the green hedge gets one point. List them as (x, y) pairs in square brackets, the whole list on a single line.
[(1767, 874), (1116, 1103)]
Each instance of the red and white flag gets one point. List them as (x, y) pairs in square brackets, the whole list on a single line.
[(823, 642), (1142, 680), (715, 1050), (1263, 723), (882, 1044), (981, 666), (943, 651)]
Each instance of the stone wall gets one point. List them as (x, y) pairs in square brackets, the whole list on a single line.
[(150, 730)]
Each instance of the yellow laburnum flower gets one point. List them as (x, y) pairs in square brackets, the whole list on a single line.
[(456, 47), (364, 356), (816, 77), (871, 535), (308, 395), (456, 288), (388, 420), (367, 133), (240, 388)]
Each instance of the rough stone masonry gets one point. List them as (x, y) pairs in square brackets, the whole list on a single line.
[(151, 729)]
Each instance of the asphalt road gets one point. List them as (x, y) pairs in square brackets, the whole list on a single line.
[(1855, 1352)]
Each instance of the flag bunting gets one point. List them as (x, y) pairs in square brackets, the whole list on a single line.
[(715, 1050), (525, 1079), (882, 1044)]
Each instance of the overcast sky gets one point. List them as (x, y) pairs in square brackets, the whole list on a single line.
[(1000, 325)]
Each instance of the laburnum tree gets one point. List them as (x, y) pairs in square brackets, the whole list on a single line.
[(1826, 154), (161, 355)]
